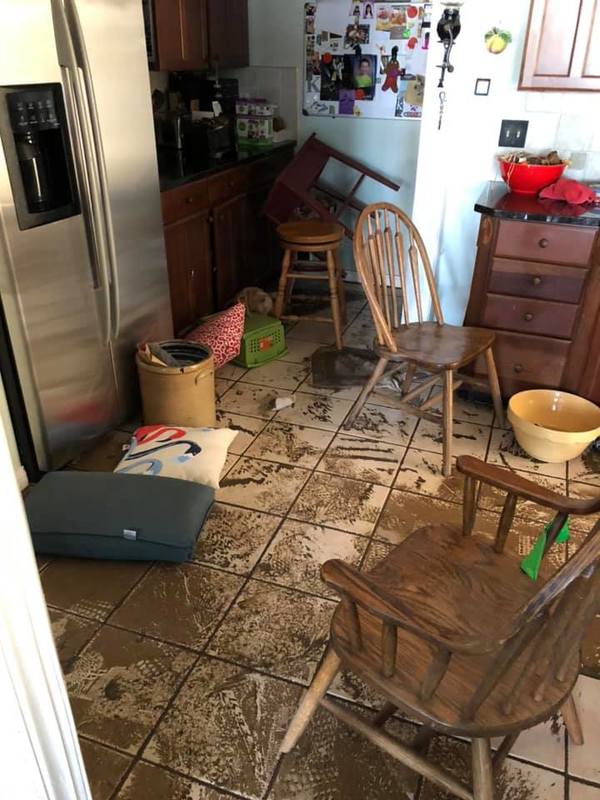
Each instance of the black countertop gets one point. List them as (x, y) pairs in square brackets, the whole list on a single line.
[(497, 201), (176, 167)]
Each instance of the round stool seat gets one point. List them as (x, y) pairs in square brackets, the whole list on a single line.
[(310, 232)]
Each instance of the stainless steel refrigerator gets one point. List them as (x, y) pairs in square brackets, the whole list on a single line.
[(83, 273)]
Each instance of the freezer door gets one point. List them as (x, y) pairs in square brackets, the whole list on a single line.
[(110, 40), (54, 298)]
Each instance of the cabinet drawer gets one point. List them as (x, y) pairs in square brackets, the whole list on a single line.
[(530, 316), (532, 360), (228, 185), (542, 281), (184, 201), (567, 244)]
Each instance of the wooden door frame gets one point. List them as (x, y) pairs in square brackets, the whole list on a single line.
[(41, 737)]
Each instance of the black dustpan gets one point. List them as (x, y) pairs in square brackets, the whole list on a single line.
[(337, 369)]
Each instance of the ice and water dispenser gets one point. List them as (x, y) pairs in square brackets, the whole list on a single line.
[(35, 137)]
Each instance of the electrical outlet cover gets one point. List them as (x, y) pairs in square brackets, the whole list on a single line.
[(513, 133)]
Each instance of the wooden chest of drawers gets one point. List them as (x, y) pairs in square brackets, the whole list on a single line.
[(538, 285)]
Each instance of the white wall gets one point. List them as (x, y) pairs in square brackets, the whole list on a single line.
[(388, 146), (456, 162)]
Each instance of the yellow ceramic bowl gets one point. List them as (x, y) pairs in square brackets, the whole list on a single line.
[(553, 426)]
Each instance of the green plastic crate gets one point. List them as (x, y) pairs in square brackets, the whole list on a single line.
[(263, 341)]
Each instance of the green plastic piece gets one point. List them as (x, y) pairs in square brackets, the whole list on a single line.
[(531, 563)]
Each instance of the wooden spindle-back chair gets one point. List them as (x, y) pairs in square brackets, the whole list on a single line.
[(449, 630), (398, 280)]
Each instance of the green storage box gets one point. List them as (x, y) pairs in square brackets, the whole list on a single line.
[(108, 515), (263, 341)]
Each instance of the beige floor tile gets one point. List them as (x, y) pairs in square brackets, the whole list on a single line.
[(262, 485), (121, 683), (291, 444), (222, 386), (234, 538), (148, 781), (360, 333), (586, 468), (348, 393), (469, 411), (310, 331), (405, 513), (378, 550), (505, 451), (584, 761), (104, 768), (248, 400), (278, 374), (299, 352), (225, 727), (584, 491), (275, 630), (231, 372), (71, 634), (105, 455), (42, 562), (296, 554), (384, 424), (316, 411), (198, 595), (348, 686), (89, 588), (468, 439), (591, 650), (543, 745), (229, 464), (362, 459), (333, 762), (515, 781), (421, 473), (349, 505), (248, 429), (580, 791)]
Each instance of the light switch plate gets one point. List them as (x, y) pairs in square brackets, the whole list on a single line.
[(513, 133)]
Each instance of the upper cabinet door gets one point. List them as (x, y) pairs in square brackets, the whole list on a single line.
[(181, 34), (228, 33), (562, 49)]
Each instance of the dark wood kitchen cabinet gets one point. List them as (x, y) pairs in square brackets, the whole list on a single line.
[(181, 34), (195, 34), (562, 48), (537, 284), (216, 238), (228, 33)]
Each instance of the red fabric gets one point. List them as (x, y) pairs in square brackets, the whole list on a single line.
[(223, 334), (569, 191)]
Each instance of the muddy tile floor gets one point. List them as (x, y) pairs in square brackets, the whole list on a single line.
[(183, 678)]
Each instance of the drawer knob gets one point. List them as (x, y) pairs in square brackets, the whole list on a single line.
[(189, 200), (544, 242), (537, 280), (528, 316), (518, 368)]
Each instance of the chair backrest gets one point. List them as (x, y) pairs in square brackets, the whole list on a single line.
[(392, 261)]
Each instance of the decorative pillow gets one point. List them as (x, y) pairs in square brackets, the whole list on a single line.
[(223, 334), (190, 454)]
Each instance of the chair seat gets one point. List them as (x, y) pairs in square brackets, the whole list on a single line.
[(439, 346), (310, 232), (450, 587)]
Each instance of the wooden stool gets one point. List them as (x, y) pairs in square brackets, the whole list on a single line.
[(312, 237)]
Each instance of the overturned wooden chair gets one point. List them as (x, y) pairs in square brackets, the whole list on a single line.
[(451, 632), (396, 274)]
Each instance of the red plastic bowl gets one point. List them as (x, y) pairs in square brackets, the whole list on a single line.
[(529, 178)]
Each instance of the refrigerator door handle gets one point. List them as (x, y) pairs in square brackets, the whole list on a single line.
[(93, 133), (85, 161)]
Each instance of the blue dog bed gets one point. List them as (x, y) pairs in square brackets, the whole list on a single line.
[(107, 515)]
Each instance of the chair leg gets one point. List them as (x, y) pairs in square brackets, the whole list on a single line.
[(483, 775), (310, 702), (335, 302), (341, 287), (447, 421), (364, 395), (572, 722), (411, 370), (494, 385), (280, 300)]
